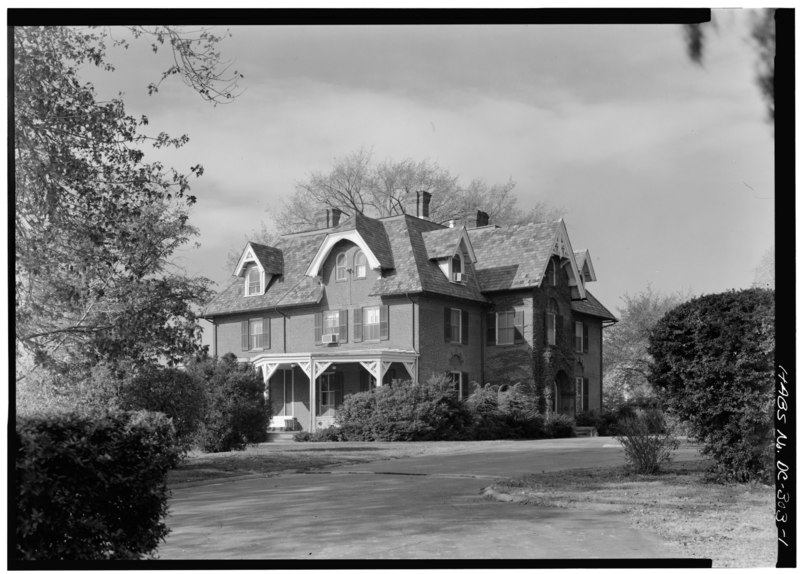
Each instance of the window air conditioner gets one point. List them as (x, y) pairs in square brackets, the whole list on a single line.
[(330, 338), (458, 277)]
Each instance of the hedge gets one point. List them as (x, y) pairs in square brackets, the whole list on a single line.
[(92, 487)]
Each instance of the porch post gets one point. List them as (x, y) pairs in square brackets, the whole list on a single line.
[(312, 393)]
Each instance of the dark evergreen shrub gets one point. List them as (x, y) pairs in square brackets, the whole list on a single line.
[(171, 391), (237, 412), (405, 412), (559, 426), (92, 487), (713, 367)]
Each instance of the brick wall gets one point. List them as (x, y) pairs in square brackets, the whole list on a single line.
[(511, 364)]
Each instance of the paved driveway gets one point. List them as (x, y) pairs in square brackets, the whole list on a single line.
[(416, 508)]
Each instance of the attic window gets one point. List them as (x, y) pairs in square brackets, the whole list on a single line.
[(360, 263), (341, 267), (455, 269), (253, 281)]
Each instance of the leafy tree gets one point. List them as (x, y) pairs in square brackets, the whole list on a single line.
[(765, 272), (762, 33), (625, 358), (713, 366), (237, 412), (95, 225), (355, 185)]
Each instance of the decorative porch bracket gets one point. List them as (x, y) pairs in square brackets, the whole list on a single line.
[(319, 368), (269, 370), (411, 367), (306, 366)]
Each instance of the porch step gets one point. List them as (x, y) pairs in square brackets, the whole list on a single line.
[(585, 431), (281, 436)]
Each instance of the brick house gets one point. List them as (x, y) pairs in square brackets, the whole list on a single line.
[(362, 302)]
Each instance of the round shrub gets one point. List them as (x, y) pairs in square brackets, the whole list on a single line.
[(560, 426), (92, 487), (713, 367)]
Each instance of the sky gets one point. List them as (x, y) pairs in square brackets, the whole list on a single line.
[(663, 168)]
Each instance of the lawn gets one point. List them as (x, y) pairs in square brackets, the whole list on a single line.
[(731, 524)]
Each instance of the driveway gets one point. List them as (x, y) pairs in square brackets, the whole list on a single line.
[(414, 508)]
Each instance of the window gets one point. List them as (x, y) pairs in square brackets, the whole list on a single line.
[(253, 281), (331, 386), (330, 323), (341, 267), (505, 328), (553, 272), (581, 394), (360, 263), (287, 409), (255, 334), (552, 321), (578, 336), (371, 323), (455, 267), (460, 382), (456, 325)]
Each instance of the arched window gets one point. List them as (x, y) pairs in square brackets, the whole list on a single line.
[(254, 280), (360, 263), (552, 321), (552, 271), (455, 268), (341, 267)]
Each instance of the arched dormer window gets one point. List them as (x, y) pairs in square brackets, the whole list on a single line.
[(360, 263), (341, 267), (253, 280), (552, 272), (455, 268), (552, 321)]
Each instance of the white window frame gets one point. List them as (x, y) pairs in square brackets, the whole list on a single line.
[(554, 273), (253, 336), (370, 328), (508, 316), (455, 328), (252, 289), (579, 345), (341, 267), (578, 395), (330, 317), (360, 265), (456, 379), (456, 258)]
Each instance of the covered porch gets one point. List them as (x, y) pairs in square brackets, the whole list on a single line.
[(306, 389)]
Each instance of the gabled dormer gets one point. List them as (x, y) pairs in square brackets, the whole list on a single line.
[(452, 251), (562, 249), (585, 267), (258, 264)]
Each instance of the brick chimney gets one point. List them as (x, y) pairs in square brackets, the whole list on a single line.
[(480, 219), (332, 215), (419, 204)]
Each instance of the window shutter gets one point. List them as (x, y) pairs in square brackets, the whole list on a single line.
[(585, 337), (318, 327), (519, 326), (266, 330), (357, 322), (446, 324), (343, 326), (464, 327), (464, 384), (384, 322), (491, 329), (245, 335), (585, 394)]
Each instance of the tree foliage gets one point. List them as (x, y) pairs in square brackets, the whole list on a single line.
[(762, 34), (625, 358), (713, 366), (95, 225), (356, 185)]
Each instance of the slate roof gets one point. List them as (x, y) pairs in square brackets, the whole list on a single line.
[(506, 258), (591, 306), (271, 258), (441, 242), (513, 257)]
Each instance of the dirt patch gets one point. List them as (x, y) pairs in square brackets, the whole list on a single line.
[(731, 524)]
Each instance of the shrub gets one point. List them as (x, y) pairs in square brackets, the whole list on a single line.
[(560, 426), (405, 412), (504, 414), (647, 440), (713, 361), (330, 434), (172, 392), (237, 412), (302, 436), (92, 487)]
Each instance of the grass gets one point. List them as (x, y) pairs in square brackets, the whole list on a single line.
[(271, 458), (731, 524)]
